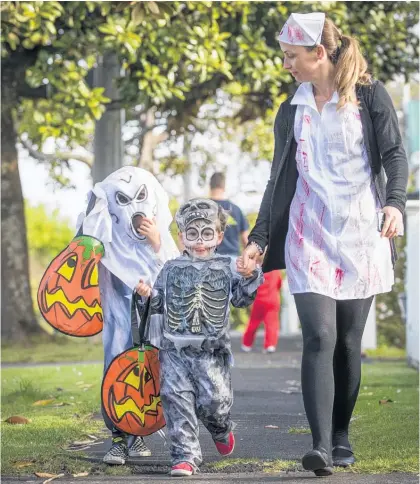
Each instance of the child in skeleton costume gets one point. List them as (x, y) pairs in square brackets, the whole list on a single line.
[(128, 212), (189, 322)]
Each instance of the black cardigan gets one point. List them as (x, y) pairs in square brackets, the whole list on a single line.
[(386, 154)]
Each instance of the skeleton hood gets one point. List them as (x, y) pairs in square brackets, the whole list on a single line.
[(116, 206), (197, 209)]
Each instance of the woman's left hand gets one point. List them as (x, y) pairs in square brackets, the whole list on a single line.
[(393, 223)]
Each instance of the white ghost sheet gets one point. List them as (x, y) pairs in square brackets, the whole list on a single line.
[(120, 201)]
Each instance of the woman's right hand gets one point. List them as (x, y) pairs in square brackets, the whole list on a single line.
[(143, 289), (250, 253)]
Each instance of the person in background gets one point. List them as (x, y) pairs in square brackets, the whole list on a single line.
[(266, 308), (237, 225)]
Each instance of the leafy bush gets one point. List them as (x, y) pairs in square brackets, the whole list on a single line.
[(390, 321), (48, 233)]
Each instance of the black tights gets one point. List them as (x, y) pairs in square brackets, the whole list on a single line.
[(331, 363)]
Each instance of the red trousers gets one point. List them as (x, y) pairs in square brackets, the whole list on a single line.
[(267, 313)]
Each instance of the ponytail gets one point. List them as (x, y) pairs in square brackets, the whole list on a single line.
[(351, 69)]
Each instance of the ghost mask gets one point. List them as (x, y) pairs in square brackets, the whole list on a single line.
[(115, 210)]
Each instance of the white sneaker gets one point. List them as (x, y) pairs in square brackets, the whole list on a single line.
[(270, 349), (247, 349)]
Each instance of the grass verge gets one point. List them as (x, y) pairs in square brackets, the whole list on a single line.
[(385, 436), (69, 397), (55, 348), (387, 352)]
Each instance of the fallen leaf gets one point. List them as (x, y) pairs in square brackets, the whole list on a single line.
[(81, 474), (53, 478), (91, 436), (271, 427), (62, 404), (43, 403), (44, 474), (77, 449), (17, 420), (385, 401), (20, 464), (82, 442)]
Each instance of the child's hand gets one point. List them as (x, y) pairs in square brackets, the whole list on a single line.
[(143, 289), (149, 229), (250, 268)]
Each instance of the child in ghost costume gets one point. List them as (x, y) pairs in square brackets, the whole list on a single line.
[(128, 212), (189, 323)]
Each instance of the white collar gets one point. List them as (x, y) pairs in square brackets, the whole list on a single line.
[(305, 96)]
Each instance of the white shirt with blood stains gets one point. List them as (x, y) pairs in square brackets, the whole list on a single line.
[(333, 246)]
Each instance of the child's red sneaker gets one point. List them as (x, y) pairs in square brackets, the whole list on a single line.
[(226, 446), (182, 469)]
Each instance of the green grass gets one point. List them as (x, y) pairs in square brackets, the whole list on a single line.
[(298, 430), (386, 437), (51, 349), (387, 352), (44, 439)]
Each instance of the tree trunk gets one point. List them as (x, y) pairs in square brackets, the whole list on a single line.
[(17, 313), (150, 142), (188, 174), (108, 144)]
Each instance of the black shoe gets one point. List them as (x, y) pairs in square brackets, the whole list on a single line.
[(318, 462), (342, 456), (118, 453)]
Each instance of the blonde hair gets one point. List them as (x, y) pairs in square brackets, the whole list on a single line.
[(351, 67)]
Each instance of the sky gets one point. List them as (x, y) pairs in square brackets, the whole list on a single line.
[(245, 183)]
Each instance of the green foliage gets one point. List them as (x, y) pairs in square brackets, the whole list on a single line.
[(175, 55), (390, 323), (48, 233)]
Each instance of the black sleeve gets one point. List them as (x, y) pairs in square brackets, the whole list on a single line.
[(388, 136), (259, 233)]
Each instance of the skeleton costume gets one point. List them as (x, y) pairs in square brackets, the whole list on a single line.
[(189, 323), (115, 208)]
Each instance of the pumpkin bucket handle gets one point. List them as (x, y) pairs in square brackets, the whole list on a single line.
[(140, 318)]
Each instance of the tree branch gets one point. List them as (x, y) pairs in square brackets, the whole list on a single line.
[(58, 155)]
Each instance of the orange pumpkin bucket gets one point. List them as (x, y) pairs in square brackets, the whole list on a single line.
[(68, 294), (131, 392), (131, 385)]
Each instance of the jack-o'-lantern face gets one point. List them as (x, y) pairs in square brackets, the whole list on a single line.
[(131, 392), (68, 295)]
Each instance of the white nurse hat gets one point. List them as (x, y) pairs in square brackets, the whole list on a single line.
[(303, 29)]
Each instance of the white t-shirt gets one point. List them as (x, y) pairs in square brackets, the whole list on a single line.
[(333, 246)]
